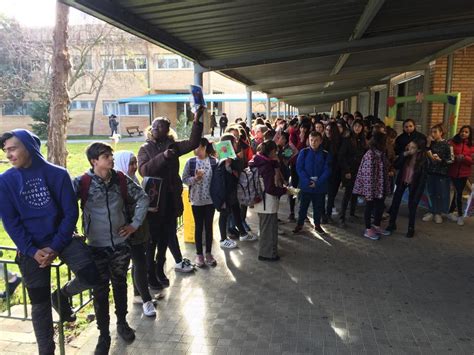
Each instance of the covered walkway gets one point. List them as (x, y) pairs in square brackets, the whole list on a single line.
[(341, 294)]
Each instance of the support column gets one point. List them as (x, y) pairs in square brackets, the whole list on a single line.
[(269, 108), (249, 107), (425, 125), (198, 74), (449, 82), (278, 109), (284, 111)]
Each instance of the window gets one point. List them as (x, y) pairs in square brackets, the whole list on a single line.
[(82, 105), (172, 61), (138, 109), (85, 61), (125, 63), (17, 108), (131, 109)]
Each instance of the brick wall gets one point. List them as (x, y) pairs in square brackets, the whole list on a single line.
[(462, 81)]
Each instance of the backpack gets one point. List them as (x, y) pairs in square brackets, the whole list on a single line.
[(249, 188), (86, 184), (218, 186)]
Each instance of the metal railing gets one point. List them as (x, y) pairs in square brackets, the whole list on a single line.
[(78, 301)]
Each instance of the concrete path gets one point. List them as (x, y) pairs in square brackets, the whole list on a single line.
[(334, 294)]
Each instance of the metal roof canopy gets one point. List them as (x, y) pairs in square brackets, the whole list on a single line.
[(187, 98), (308, 53)]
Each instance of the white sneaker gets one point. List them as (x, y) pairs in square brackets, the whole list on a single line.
[(453, 217), (137, 300), (149, 309), (249, 237), (228, 244), (460, 221), (428, 217), (438, 219), (184, 266)]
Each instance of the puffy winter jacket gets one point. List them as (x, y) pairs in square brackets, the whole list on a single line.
[(314, 163), (105, 211), (461, 168)]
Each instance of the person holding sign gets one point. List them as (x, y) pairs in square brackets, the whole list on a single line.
[(159, 157)]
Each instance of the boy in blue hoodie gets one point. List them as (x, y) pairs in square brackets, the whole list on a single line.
[(39, 212), (313, 168)]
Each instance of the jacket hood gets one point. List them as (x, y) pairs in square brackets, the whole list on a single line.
[(32, 144)]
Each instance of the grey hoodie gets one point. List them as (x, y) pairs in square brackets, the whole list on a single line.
[(104, 211)]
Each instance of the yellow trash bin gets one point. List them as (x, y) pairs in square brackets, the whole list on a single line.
[(188, 218)]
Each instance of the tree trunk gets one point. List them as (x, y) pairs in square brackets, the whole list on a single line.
[(58, 111), (96, 99)]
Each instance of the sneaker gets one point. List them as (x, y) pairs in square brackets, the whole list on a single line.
[(228, 244), (137, 300), (385, 216), (371, 234), (200, 261), (319, 229), (103, 345), (453, 217), (381, 231), (11, 287), (428, 217), (157, 297), (438, 219), (63, 308), (184, 266), (149, 309), (298, 229), (460, 221), (249, 237), (292, 218), (410, 233), (125, 332), (210, 261)]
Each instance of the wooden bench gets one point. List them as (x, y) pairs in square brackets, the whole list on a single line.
[(133, 129)]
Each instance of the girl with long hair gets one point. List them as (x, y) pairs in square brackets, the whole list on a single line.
[(332, 144), (460, 170), (373, 184), (412, 173)]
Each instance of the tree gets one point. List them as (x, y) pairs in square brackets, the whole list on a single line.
[(22, 58), (59, 107)]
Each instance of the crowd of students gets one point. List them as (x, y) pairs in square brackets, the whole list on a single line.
[(306, 158)]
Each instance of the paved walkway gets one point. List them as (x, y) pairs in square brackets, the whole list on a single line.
[(341, 294)]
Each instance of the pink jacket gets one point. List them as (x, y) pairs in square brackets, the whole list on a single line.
[(372, 180)]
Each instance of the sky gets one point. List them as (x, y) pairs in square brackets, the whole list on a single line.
[(38, 13)]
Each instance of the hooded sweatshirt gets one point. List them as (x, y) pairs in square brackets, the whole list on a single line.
[(38, 206)]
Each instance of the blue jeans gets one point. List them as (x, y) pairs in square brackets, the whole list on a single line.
[(438, 190), (318, 206)]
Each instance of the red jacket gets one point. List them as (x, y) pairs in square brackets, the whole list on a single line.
[(461, 168)]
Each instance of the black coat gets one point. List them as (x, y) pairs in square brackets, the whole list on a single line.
[(350, 155), (419, 176)]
